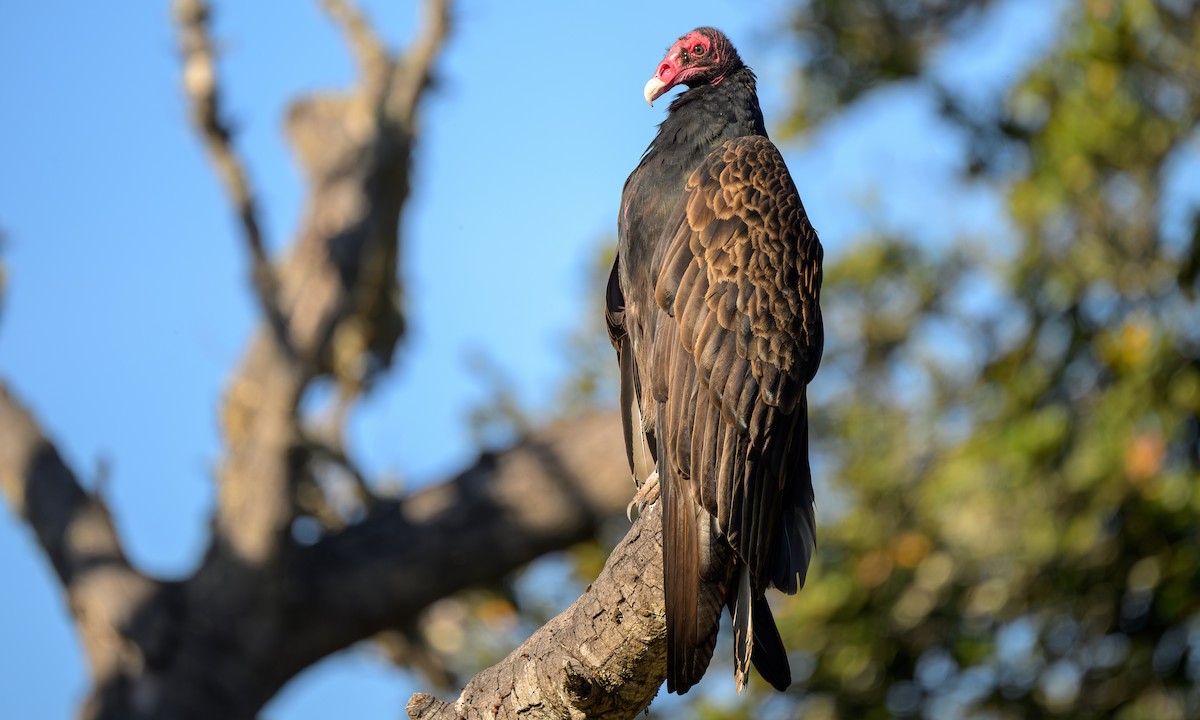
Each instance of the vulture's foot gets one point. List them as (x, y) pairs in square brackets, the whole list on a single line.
[(646, 496)]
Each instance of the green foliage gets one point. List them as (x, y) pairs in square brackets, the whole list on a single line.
[(852, 45), (1018, 480)]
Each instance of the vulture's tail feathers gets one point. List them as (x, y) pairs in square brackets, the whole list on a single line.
[(743, 628), (756, 623), (797, 524)]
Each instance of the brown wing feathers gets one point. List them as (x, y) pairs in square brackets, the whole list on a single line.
[(744, 322), (730, 374), (696, 574)]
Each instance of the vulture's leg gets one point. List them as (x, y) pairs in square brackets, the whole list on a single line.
[(646, 496)]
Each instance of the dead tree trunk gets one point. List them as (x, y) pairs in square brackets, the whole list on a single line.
[(264, 605)]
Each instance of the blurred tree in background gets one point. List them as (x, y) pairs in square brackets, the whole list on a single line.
[(1009, 425)]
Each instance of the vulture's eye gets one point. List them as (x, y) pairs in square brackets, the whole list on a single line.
[(698, 50)]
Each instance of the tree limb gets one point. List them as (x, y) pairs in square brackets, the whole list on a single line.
[(180, 650), (260, 423), (106, 595), (337, 288), (603, 657), (417, 69), (373, 61), (546, 493), (200, 83)]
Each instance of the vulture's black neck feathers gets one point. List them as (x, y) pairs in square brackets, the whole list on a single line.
[(703, 117), (698, 120)]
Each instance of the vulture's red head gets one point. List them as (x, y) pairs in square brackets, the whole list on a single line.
[(702, 57)]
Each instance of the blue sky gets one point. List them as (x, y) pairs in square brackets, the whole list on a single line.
[(127, 303)]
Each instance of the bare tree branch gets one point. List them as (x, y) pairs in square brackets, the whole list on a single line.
[(373, 61), (337, 288), (416, 72), (200, 83), (408, 649), (183, 650), (334, 453), (603, 657), (75, 530), (325, 442), (548, 492)]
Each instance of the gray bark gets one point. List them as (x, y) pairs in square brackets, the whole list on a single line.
[(602, 658)]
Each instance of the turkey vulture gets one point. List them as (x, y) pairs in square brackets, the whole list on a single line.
[(712, 306)]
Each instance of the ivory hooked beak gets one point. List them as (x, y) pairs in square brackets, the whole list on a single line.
[(654, 88)]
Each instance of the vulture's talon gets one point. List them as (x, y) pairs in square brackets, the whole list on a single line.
[(646, 496)]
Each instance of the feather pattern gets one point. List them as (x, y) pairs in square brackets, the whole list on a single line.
[(718, 279)]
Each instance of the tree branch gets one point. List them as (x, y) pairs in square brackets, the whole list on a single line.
[(416, 72), (200, 83), (107, 596), (260, 411), (337, 288), (373, 61), (546, 493), (603, 657)]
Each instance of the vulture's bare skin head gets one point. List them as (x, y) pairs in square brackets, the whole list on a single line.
[(702, 57)]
